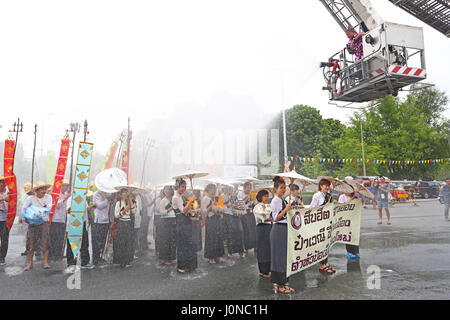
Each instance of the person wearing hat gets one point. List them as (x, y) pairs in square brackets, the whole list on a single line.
[(4, 231), (58, 225), (40, 199)]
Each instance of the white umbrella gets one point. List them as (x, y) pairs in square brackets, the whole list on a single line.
[(293, 176), (250, 179), (108, 179), (191, 175), (219, 181)]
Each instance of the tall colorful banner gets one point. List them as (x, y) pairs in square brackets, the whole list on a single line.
[(110, 156), (125, 162), (313, 232), (79, 195), (59, 176), (10, 180)]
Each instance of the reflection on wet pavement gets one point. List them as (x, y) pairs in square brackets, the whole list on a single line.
[(411, 256)]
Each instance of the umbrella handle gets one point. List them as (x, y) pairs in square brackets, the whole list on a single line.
[(331, 195)]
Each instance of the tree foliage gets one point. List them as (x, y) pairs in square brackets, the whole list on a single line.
[(413, 128)]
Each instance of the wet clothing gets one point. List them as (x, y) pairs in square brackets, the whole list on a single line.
[(165, 230), (4, 239), (125, 231), (278, 243), (186, 247), (383, 197)]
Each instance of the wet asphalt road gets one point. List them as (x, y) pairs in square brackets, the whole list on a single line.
[(412, 254)]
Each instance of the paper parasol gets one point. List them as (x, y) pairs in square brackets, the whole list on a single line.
[(338, 185), (250, 179), (191, 175), (360, 189), (220, 181), (131, 188), (108, 179)]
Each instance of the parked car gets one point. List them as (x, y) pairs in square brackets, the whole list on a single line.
[(426, 189)]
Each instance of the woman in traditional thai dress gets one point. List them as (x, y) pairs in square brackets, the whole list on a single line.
[(248, 219), (235, 240), (214, 249), (166, 232), (294, 198), (263, 215), (124, 213), (186, 248), (278, 238), (321, 198)]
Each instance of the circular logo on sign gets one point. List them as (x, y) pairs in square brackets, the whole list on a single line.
[(296, 221)]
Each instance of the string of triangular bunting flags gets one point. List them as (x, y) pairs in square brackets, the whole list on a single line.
[(357, 160)]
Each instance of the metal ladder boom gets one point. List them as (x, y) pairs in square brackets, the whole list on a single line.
[(353, 13)]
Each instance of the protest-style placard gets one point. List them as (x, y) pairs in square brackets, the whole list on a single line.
[(313, 232)]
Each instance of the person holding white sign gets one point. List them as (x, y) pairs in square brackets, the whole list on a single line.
[(320, 198), (278, 238)]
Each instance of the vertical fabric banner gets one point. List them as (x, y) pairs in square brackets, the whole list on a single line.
[(110, 156), (124, 165), (313, 232), (59, 176), (79, 194), (10, 180)]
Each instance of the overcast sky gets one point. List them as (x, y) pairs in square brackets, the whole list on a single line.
[(65, 61)]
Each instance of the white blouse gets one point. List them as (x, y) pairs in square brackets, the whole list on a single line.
[(317, 199), (162, 211), (343, 198), (277, 206), (206, 201)]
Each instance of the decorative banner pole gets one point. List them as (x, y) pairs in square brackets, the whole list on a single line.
[(74, 128), (79, 194), (129, 151), (34, 152), (60, 172)]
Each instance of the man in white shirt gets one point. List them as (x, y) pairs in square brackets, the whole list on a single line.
[(41, 199), (58, 225), (101, 205)]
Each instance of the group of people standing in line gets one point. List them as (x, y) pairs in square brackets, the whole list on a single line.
[(234, 224)]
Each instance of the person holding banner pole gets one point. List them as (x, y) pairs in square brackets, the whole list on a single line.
[(278, 238), (320, 198)]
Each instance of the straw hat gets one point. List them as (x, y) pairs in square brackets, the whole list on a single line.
[(26, 188), (40, 185), (65, 181), (2, 178)]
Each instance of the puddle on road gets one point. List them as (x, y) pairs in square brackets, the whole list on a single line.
[(197, 274), (13, 271)]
